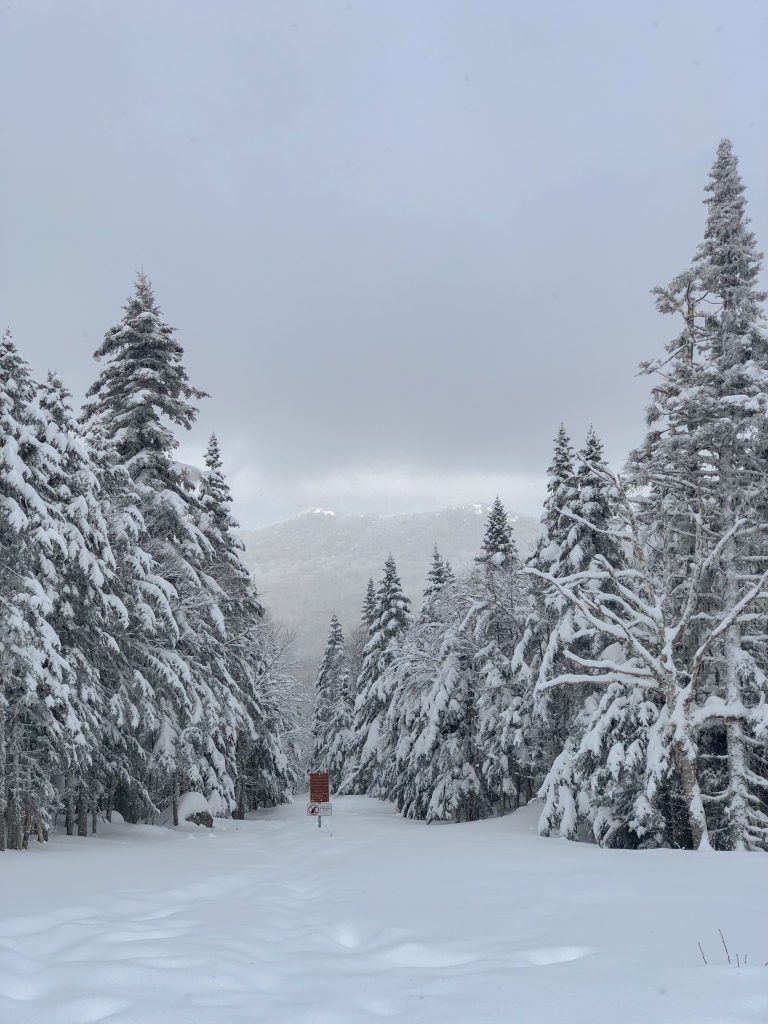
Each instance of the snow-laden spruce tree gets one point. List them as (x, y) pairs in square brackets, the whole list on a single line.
[(597, 781), (236, 663), (138, 601), (333, 708), (438, 757), (637, 644), (438, 574), (143, 390), (369, 605), (592, 512), (492, 626), (268, 768), (704, 472), (355, 644), (40, 729), (631, 769), (85, 606), (545, 720), (370, 759)]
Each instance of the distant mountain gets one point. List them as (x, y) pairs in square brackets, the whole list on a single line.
[(318, 563)]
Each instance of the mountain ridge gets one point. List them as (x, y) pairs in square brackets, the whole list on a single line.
[(318, 563)]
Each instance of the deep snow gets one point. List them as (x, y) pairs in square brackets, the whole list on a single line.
[(274, 920)]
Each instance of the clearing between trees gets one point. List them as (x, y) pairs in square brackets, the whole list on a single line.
[(270, 919)]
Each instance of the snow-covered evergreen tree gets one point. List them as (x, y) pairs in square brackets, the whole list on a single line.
[(544, 721), (438, 756), (493, 625), (40, 729), (141, 390), (370, 758), (86, 609), (438, 575), (235, 662), (268, 768), (369, 605), (332, 713), (597, 778), (703, 469)]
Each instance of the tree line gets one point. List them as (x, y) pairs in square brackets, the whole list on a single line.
[(136, 661), (620, 670)]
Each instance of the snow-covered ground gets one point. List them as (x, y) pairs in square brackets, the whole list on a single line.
[(272, 920)]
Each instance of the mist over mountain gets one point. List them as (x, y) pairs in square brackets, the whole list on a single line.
[(318, 563)]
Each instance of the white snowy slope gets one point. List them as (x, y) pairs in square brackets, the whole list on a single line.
[(318, 564), (272, 920)]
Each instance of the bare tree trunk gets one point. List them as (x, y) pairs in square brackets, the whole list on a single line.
[(93, 820)]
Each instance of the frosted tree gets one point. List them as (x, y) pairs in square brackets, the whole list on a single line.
[(498, 547), (332, 712), (250, 741), (85, 608), (370, 760), (142, 388), (39, 725), (369, 605), (732, 427), (438, 756), (702, 468), (640, 644), (493, 626), (268, 768), (544, 722), (138, 600), (597, 778), (438, 575), (235, 661)]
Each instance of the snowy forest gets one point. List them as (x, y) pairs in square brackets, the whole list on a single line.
[(137, 660), (619, 672)]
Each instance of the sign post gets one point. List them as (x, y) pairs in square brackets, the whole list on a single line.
[(319, 796)]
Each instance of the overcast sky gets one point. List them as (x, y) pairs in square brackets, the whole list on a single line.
[(400, 240)]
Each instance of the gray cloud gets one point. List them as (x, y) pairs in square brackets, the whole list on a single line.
[(400, 241)]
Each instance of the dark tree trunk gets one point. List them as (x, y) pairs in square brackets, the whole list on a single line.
[(69, 812), (175, 800), (82, 814)]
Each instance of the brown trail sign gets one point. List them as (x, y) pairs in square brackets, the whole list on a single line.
[(319, 788), (319, 796)]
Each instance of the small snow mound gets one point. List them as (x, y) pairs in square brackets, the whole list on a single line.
[(553, 955), (189, 804), (192, 803)]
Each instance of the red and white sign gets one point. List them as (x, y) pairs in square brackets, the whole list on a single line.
[(315, 810)]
